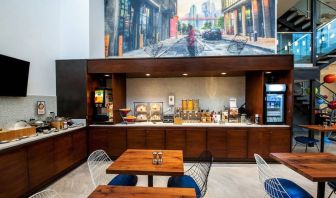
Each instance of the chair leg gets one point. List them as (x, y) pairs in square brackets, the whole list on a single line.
[(306, 148), (317, 147), (331, 193), (294, 146)]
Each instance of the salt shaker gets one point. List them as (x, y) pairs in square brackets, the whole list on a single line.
[(155, 156), (160, 155)]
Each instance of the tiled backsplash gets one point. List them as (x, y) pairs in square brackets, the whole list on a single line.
[(213, 92), (13, 109)]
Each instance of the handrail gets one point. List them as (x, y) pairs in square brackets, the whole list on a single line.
[(305, 34)]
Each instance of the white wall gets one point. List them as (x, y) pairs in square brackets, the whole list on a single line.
[(97, 26)]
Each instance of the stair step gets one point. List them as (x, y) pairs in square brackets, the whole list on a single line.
[(332, 55), (302, 98), (292, 16), (299, 20), (322, 62), (306, 102), (306, 25)]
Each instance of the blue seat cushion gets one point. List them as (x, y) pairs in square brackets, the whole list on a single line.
[(184, 181), (124, 180), (332, 185), (292, 189), (305, 140)]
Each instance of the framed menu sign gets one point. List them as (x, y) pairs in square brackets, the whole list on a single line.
[(41, 108)]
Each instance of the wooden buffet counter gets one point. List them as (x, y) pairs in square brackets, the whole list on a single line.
[(28, 165), (227, 142)]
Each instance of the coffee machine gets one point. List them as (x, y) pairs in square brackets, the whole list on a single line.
[(103, 105)]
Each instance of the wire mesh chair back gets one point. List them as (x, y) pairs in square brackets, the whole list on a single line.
[(270, 183), (48, 193), (98, 162), (200, 171)]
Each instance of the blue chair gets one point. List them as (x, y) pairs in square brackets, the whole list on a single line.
[(332, 185), (98, 162), (278, 187), (195, 177), (306, 141)]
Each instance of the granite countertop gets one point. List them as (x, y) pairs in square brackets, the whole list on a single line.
[(40, 136), (161, 124)]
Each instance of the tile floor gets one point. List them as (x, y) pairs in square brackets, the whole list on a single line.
[(225, 180)]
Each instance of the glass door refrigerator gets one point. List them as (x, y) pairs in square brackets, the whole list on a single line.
[(274, 105)]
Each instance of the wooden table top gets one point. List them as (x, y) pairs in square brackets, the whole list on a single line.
[(319, 128), (317, 167), (139, 162), (143, 192)]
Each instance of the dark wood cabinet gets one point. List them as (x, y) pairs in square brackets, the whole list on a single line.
[(216, 142), (175, 139), (195, 142), (63, 152), (136, 138), (117, 142), (98, 138), (14, 174), (236, 143), (280, 141), (79, 142), (40, 162), (155, 139), (259, 142)]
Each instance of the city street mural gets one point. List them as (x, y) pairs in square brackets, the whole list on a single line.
[(175, 28)]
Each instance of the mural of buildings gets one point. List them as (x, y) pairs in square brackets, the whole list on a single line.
[(249, 16), (133, 24)]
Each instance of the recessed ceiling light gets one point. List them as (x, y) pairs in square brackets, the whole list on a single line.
[(107, 75), (223, 73), (147, 74), (268, 72), (185, 74)]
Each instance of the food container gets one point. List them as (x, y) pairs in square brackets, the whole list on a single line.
[(196, 104), (190, 105), (184, 105)]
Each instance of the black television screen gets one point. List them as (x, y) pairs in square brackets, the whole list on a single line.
[(13, 76)]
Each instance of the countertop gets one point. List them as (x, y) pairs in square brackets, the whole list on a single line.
[(161, 124), (40, 136)]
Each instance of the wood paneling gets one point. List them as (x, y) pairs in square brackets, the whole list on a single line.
[(119, 95), (280, 141), (14, 174), (155, 138), (63, 152), (136, 138), (40, 162), (236, 143), (79, 142), (195, 65), (117, 141), (259, 142), (195, 142), (254, 94), (98, 138), (216, 141), (175, 139)]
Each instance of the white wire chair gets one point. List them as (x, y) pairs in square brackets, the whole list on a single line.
[(48, 193), (271, 184), (98, 162)]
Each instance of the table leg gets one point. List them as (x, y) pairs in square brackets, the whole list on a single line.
[(322, 142), (320, 189), (150, 180)]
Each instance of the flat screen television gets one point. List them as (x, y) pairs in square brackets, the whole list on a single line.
[(13, 76)]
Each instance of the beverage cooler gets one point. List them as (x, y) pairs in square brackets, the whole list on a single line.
[(274, 105)]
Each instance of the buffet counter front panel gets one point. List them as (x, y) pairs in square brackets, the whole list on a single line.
[(236, 143)]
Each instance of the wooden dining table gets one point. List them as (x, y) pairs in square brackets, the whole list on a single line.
[(317, 167), (322, 130), (104, 191), (139, 162)]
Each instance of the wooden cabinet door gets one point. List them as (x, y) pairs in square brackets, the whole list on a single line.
[(136, 138), (14, 174), (280, 141), (98, 138), (195, 142), (63, 152), (155, 139), (116, 141), (40, 162), (79, 141), (258, 142), (236, 143), (216, 142), (175, 139)]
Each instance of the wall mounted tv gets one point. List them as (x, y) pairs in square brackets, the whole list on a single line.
[(13, 76)]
